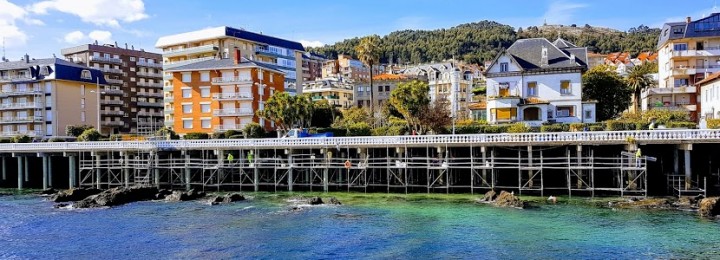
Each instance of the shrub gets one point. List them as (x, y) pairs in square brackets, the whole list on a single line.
[(116, 137), (167, 133), (380, 131), (495, 129), (642, 125), (614, 125), (518, 128), (89, 135), (217, 135), (359, 129), (56, 140), (254, 130), (596, 128), (21, 139), (7, 140), (397, 130), (713, 123), (196, 136), (76, 131), (577, 127), (551, 128), (230, 133), (468, 129), (688, 125)]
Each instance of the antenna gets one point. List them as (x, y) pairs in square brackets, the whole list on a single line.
[(3, 48)]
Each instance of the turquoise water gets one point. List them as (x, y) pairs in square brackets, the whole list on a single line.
[(31, 229)]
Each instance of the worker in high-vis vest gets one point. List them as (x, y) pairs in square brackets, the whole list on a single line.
[(638, 154), (230, 158)]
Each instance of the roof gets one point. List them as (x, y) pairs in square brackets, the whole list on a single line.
[(705, 27), (387, 76), (216, 64), (477, 105), (58, 68), (710, 79), (562, 43), (224, 31), (647, 56), (528, 54), (616, 57)]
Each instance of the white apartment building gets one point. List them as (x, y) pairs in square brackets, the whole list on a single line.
[(448, 80)]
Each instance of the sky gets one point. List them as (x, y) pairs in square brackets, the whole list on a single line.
[(41, 28)]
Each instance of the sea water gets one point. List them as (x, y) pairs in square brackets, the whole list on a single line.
[(30, 228)]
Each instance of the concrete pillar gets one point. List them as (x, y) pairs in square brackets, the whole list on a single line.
[(50, 172), (45, 171), (530, 164), (221, 165), (483, 150), (20, 172), (156, 170), (290, 172), (26, 170), (328, 156), (72, 168), (676, 162), (187, 172), (126, 169), (688, 172), (4, 169), (579, 171), (97, 170)]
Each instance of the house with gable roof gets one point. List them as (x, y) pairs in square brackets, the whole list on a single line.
[(536, 81)]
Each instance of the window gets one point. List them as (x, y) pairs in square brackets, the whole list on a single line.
[(204, 76), (205, 92), (504, 66), (205, 108), (680, 47), (271, 77), (504, 89), (531, 114), (186, 77), (567, 111), (82, 103), (44, 70), (260, 75), (504, 113), (380, 88), (187, 93), (82, 116), (205, 123), (132, 58), (532, 89), (187, 123), (85, 74), (588, 114), (681, 83), (187, 108), (565, 87), (387, 88)]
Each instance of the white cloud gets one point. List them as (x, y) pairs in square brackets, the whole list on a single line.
[(98, 12), (31, 21), (561, 12), (307, 43), (11, 34), (74, 37)]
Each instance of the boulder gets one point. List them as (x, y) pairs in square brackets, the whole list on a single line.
[(75, 194), (489, 196), (162, 194), (185, 196), (709, 207), (315, 201), (334, 201), (233, 197), (118, 196), (506, 199), (644, 203)]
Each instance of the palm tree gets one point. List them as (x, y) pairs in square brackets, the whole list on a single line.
[(368, 51), (639, 80)]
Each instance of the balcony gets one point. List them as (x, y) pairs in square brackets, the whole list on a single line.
[(267, 52), (111, 102), (675, 90), (233, 112), (168, 88), (149, 64), (222, 128), (149, 104), (111, 70), (173, 64), (106, 60), (169, 123), (149, 74), (150, 84), (707, 52), (149, 94), (31, 133), (14, 78), (20, 92), (112, 123), (169, 110), (190, 51), (114, 81), (231, 80), (233, 96), (112, 113), (150, 114), (22, 119), (149, 123), (113, 92), (28, 105)]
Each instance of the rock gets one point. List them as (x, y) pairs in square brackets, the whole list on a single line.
[(315, 201), (49, 191), (709, 207), (185, 196), (60, 205), (334, 201), (489, 196), (162, 194), (118, 196), (215, 200), (506, 199), (76, 194), (233, 197), (646, 203)]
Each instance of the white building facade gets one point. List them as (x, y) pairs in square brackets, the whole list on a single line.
[(535, 82), (447, 80)]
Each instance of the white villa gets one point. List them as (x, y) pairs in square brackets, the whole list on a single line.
[(536, 81), (709, 96)]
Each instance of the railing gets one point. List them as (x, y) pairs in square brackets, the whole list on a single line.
[(618, 137), (148, 64), (114, 81), (150, 84), (21, 105), (111, 102), (104, 59), (676, 90), (149, 104), (229, 127), (233, 96), (22, 119), (20, 92), (172, 64), (112, 92), (153, 114), (191, 50), (264, 50), (17, 133), (14, 78), (112, 123), (149, 94), (111, 70), (112, 113), (231, 80), (149, 74), (233, 112)]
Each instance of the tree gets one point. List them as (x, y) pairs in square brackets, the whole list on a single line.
[(76, 131), (410, 99), (368, 51), (351, 116), (435, 116), (253, 130), (305, 109), (323, 114), (89, 135), (639, 80), (287, 111), (610, 91), (167, 133)]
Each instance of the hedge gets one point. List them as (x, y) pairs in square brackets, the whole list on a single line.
[(688, 125), (713, 123), (359, 129), (196, 136), (551, 128)]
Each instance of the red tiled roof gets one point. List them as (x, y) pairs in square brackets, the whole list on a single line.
[(708, 80), (387, 76)]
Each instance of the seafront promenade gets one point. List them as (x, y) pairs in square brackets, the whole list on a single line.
[(582, 163)]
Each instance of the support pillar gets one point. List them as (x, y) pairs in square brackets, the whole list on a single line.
[(530, 164), (45, 171), (290, 171), (4, 169), (20, 172), (156, 170), (126, 169), (71, 171), (688, 172), (98, 172), (27, 172), (676, 162), (50, 172), (579, 171), (187, 172)]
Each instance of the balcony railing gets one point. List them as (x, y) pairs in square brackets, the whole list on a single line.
[(149, 64), (111, 102), (149, 74), (22, 119), (231, 80), (191, 50), (150, 84), (111, 70), (27, 105), (112, 123), (674, 90), (233, 96), (106, 60), (31, 133), (115, 92), (221, 128), (173, 64), (149, 123), (112, 113), (267, 51), (153, 114), (149, 94), (233, 112), (114, 81), (149, 104), (20, 92), (14, 78)]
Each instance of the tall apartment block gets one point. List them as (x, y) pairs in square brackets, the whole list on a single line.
[(688, 52), (312, 66), (132, 100), (40, 98), (220, 94), (220, 42)]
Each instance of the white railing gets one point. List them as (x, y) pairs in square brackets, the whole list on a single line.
[(231, 80), (149, 94), (149, 74), (112, 113), (20, 92), (111, 70), (114, 81), (15, 78), (111, 102), (104, 59), (229, 127), (233, 112), (172, 64), (21, 105), (18, 133), (149, 64), (149, 84), (233, 96), (21, 119), (190, 50)]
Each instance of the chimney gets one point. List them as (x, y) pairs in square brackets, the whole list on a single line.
[(237, 57), (688, 20), (27, 58), (572, 56), (544, 56)]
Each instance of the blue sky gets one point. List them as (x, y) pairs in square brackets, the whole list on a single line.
[(42, 27)]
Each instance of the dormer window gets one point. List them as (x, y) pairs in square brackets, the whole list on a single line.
[(85, 74), (44, 71)]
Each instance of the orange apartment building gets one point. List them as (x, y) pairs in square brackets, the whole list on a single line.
[(221, 94)]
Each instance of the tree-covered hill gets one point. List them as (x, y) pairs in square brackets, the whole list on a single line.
[(481, 41)]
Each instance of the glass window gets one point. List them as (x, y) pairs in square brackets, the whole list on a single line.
[(205, 92), (204, 76), (532, 89), (680, 47), (588, 114), (565, 87), (187, 108), (205, 123), (187, 93), (567, 111), (186, 77), (504, 66), (187, 123), (387, 88), (205, 108)]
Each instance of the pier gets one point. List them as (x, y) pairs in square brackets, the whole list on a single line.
[(574, 163)]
